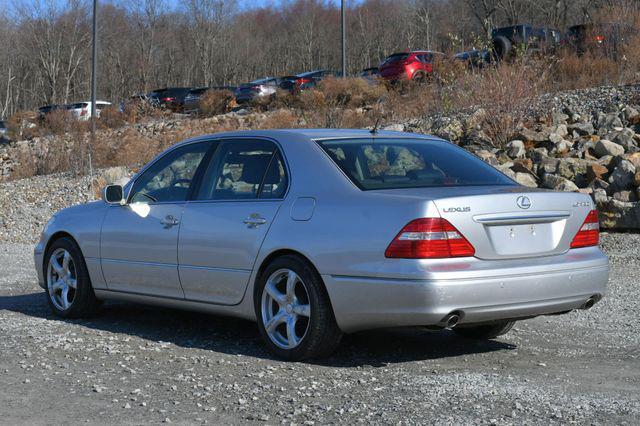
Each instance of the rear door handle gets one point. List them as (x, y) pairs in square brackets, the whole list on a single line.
[(254, 220), (169, 221)]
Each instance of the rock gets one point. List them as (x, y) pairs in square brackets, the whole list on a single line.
[(570, 168), (533, 136), (548, 165), (537, 154), (558, 183), (395, 127), (600, 184), (516, 149), (605, 147), (600, 196), (607, 121), (624, 137), (634, 159), (582, 128), (630, 114), (559, 118), (596, 171), (526, 179), (561, 130), (555, 138), (623, 176), (506, 169), (626, 196), (563, 146), (448, 128), (522, 165), (487, 156), (615, 214)]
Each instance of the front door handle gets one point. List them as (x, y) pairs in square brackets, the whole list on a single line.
[(254, 220), (169, 221)]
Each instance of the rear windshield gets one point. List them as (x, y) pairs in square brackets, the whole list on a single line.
[(396, 57), (409, 163)]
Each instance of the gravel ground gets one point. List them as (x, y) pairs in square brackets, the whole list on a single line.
[(136, 364)]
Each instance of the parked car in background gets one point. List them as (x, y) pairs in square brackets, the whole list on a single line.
[(602, 39), (192, 100), (316, 233), (3, 129), (415, 66), (506, 41), (474, 58), (82, 110), (171, 98), (47, 109), (305, 80), (257, 89)]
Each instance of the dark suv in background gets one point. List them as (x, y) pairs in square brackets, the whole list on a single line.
[(598, 38), (507, 41)]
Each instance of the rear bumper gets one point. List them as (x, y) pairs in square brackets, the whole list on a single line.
[(365, 303)]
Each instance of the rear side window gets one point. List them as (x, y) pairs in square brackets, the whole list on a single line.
[(244, 169), (407, 163)]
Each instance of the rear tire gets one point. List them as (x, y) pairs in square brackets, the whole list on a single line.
[(501, 47), (68, 286), (294, 313), (484, 332)]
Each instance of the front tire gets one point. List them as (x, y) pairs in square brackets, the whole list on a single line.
[(484, 332), (293, 310), (69, 291)]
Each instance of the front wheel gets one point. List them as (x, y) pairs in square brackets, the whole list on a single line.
[(484, 332), (293, 310), (69, 290)]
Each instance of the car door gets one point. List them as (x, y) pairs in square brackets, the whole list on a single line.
[(139, 240), (224, 225)]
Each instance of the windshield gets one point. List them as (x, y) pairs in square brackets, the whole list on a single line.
[(409, 163)]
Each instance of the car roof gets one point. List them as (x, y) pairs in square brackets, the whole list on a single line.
[(316, 134)]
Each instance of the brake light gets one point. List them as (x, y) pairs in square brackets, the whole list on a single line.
[(599, 38), (589, 233), (83, 112), (302, 81), (168, 99), (429, 238)]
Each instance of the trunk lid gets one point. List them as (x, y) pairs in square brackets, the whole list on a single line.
[(510, 222)]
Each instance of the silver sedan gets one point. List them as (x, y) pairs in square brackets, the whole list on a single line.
[(316, 233)]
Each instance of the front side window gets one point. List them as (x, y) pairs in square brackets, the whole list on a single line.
[(244, 169), (169, 178), (409, 163)]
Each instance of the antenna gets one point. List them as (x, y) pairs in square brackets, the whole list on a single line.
[(374, 130)]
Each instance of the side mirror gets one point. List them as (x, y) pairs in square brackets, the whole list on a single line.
[(113, 194)]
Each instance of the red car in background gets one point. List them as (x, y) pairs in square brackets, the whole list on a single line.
[(414, 66)]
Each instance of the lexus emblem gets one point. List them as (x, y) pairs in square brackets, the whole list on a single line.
[(523, 202)]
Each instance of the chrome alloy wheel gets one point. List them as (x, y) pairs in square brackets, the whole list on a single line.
[(62, 279), (285, 308)]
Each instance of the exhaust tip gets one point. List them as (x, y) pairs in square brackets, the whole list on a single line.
[(451, 320), (589, 303)]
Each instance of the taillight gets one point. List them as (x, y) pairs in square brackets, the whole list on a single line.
[(429, 238), (589, 233), (167, 99), (599, 38), (302, 81), (83, 112)]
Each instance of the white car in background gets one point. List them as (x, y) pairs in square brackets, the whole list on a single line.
[(82, 110)]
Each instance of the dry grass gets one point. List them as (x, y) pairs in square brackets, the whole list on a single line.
[(215, 102)]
